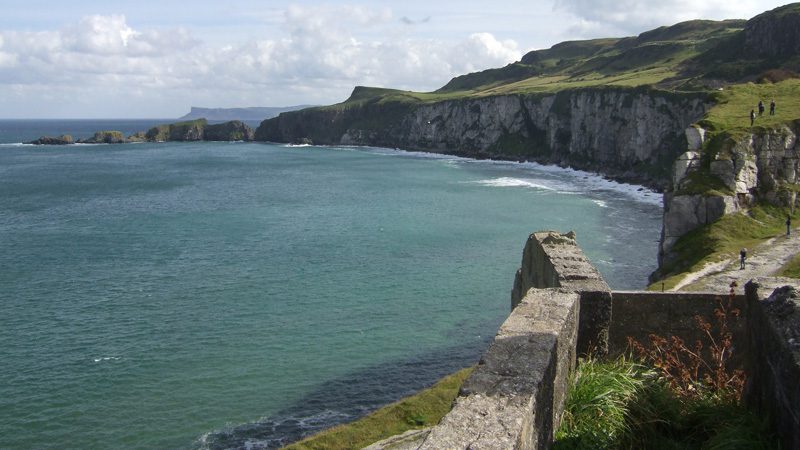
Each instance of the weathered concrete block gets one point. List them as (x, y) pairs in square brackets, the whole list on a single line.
[(515, 397)]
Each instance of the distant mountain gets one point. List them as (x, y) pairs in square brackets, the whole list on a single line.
[(249, 114)]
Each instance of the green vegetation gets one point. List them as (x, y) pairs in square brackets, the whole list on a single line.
[(421, 410), (723, 239), (626, 405), (674, 58), (175, 131), (733, 104), (791, 269)]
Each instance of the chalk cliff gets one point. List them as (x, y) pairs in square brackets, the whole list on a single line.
[(761, 165), (632, 134)]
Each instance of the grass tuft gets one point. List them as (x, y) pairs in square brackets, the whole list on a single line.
[(622, 404), (791, 269), (421, 410)]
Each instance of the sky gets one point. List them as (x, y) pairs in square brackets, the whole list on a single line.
[(156, 59)]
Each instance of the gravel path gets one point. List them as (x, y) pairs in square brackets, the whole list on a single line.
[(761, 264)]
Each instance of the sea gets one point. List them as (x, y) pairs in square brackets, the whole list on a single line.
[(243, 295)]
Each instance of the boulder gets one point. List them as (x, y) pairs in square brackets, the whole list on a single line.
[(695, 136)]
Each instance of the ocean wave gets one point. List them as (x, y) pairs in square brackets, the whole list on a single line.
[(600, 203), (297, 145), (107, 358), (581, 181), (511, 182)]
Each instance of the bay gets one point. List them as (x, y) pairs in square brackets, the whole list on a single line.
[(218, 295)]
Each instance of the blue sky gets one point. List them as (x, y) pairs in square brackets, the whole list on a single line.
[(120, 59)]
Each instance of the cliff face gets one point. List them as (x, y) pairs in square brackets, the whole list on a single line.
[(234, 130), (774, 33), (759, 166), (200, 130), (628, 134)]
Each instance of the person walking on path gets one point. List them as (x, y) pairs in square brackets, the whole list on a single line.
[(760, 108), (772, 107), (742, 257), (788, 224), (752, 116)]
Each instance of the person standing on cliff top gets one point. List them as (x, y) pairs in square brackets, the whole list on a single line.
[(752, 116), (760, 108), (742, 257), (772, 107)]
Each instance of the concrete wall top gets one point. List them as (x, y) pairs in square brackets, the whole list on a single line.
[(514, 398)]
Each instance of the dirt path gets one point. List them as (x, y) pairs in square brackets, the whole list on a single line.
[(762, 263)]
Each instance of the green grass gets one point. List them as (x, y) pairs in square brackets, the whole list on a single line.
[(791, 269), (733, 105), (722, 240), (624, 405), (646, 60), (421, 410), (597, 403)]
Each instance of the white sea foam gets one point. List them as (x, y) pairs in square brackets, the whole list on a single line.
[(583, 182), (297, 145), (512, 182), (107, 358), (600, 203)]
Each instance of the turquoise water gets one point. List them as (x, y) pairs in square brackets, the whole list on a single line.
[(218, 295)]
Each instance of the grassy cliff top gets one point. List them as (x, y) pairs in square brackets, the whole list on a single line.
[(692, 56)]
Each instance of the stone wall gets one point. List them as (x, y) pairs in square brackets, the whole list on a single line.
[(551, 259), (774, 367), (515, 397), (562, 307), (639, 314)]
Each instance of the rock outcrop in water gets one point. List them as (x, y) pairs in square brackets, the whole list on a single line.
[(229, 131), (200, 130), (194, 130), (64, 139), (105, 137), (191, 130)]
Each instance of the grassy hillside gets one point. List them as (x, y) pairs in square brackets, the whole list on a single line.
[(698, 55)]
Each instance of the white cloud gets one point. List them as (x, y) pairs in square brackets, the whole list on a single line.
[(482, 50), (630, 17), (99, 35), (324, 52)]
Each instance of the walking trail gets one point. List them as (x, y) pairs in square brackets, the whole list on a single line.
[(761, 264)]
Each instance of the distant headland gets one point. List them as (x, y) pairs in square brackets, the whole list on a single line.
[(258, 113)]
